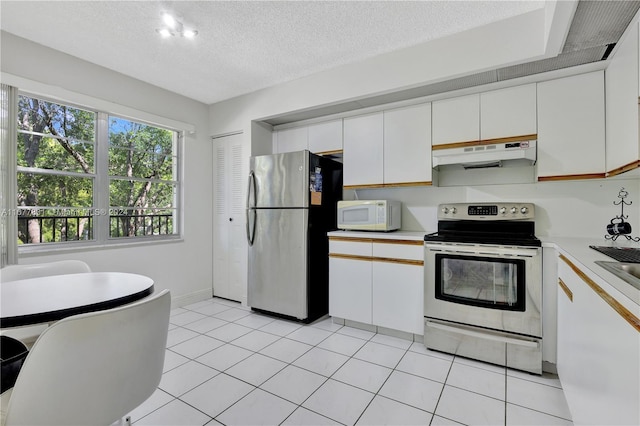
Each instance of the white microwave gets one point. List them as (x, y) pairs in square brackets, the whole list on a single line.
[(369, 215)]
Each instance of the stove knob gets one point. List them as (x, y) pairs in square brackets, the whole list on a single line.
[(453, 210), (513, 210), (445, 210), (524, 210), (503, 210)]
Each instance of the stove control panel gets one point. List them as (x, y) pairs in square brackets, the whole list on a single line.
[(486, 211)]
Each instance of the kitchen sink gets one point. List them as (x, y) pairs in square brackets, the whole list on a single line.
[(629, 272)]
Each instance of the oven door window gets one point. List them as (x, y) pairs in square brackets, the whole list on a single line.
[(497, 283)]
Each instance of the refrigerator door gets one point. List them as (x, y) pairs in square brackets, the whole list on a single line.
[(278, 262), (281, 180)]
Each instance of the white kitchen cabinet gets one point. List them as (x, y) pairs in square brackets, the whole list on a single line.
[(350, 273), (508, 112), (289, 140), (571, 127), (363, 150), (622, 88), (456, 120), (407, 145), (598, 354), (398, 286), (377, 282), (326, 137)]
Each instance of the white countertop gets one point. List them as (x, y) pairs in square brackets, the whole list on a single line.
[(577, 250), (394, 235)]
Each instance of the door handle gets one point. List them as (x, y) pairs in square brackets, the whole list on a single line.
[(251, 233)]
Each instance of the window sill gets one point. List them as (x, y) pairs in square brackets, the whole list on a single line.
[(71, 247)]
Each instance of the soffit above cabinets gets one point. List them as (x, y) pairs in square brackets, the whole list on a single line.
[(595, 29)]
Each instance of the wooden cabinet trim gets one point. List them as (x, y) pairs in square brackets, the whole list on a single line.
[(626, 314), (571, 177), (351, 240), (377, 259), (566, 290), (378, 240), (484, 142), (334, 152), (627, 167), (389, 185)]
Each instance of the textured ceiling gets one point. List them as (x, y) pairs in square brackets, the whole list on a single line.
[(242, 46)]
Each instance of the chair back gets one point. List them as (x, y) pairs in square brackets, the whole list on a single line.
[(94, 368), (23, 272)]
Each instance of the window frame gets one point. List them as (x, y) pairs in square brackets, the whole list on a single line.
[(101, 180)]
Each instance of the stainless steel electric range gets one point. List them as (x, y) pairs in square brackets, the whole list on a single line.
[(483, 284)]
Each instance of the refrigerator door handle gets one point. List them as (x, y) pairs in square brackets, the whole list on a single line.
[(251, 185), (251, 233)]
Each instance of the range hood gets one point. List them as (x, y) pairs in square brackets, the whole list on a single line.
[(486, 155)]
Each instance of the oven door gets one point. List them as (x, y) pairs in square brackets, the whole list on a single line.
[(485, 286)]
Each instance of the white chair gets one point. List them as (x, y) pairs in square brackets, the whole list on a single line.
[(23, 272), (28, 335), (92, 369)]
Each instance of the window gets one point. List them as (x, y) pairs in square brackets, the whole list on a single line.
[(79, 180)]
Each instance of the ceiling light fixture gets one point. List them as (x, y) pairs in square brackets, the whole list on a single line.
[(174, 27)]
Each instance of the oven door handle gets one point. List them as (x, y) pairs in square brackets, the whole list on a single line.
[(495, 336)]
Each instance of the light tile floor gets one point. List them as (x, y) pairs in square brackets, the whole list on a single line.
[(228, 365)]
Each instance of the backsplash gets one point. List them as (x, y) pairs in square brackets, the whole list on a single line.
[(563, 208)]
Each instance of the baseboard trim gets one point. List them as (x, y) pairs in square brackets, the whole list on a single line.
[(188, 299)]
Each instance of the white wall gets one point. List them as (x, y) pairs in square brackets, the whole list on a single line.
[(183, 267), (563, 208)]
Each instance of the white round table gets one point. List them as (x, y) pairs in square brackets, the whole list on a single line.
[(47, 299)]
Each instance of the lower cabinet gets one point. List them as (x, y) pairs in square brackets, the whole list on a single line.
[(377, 282), (350, 289), (598, 351), (398, 300)]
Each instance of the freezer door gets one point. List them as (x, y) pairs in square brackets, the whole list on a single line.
[(281, 180), (278, 262)]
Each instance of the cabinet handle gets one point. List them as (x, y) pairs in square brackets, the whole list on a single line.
[(566, 289)]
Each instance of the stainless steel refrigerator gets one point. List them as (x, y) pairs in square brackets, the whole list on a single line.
[(291, 205)]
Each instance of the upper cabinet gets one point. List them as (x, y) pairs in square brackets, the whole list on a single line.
[(571, 127), (499, 114), (456, 120), (622, 89), (289, 140), (363, 150), (407, 145), (389, 148), (326, 137), (319, 138), (508, 113)]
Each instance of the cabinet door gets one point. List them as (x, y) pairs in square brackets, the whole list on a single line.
[(289, 140), (407, 144), (363, 150), (325, 137), (350, 289), (398, 296), (571, 130), (508, 112), (456, 120), (598, 353), (621, 76)]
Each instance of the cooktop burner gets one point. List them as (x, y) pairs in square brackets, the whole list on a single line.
[(621, 254)]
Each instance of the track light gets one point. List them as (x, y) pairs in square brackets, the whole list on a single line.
[(174, 27)]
